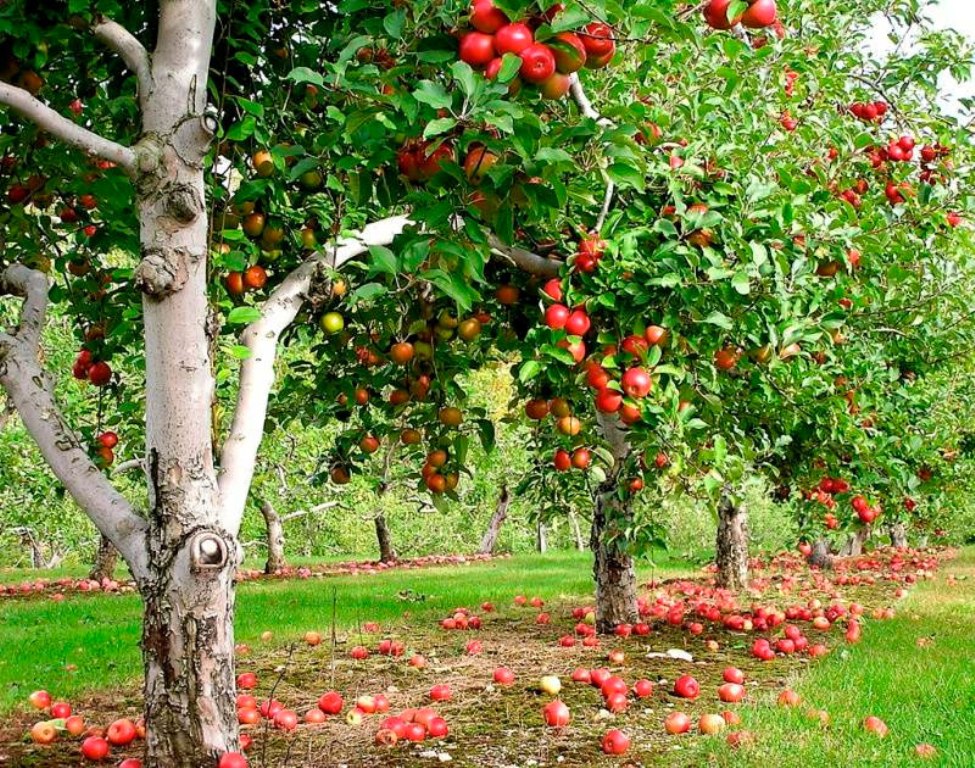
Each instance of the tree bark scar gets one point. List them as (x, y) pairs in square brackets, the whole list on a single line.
[(183, 204), (162, 271)]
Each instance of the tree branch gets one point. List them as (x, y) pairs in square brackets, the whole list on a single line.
[(239, 454), (525, 260), (313, 511), (578, 94), (31, 395), (25, 105), (117, 38)]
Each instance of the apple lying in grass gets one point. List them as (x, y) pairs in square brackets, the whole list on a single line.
[(43, 733), (75, 725), (925, 751), (677, 722), (740, 739), (60, 710), (733, 675), (121, 733), (789, 698), (556, 714), (504, 676), (731, 693), (687, 687), (550, 684), (314, 716), (94, 748), (232, 760), (437, 728), (40, 699), (711, 724), (441, 692), (875, 725), (615, 742), (616, 656), (246, 681), (731, 717), (581, 675), (643, 689), (418, 661)]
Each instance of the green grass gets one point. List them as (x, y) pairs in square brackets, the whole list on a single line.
[(100, 634), (925, 694)]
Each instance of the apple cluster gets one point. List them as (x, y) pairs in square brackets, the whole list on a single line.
[(86, 368), (546, 64), (869, 112), (758, 15)]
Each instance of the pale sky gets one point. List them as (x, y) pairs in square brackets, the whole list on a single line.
[(946, 14)]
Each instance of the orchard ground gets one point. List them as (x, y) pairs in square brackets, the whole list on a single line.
[(910, 670)]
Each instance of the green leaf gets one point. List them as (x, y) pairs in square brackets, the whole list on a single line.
[(384, 260), (465, 77), (243, 315), (367, 292), (306, 75), (741, 283), (529, 370), (432, 94), (487, 433), (626, 176), (720, 319), (438, 126), (394, 22)]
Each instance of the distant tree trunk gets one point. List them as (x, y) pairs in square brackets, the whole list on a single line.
[(275, 538), (386, 552), (898, 535), (612, 566), (490, 538), (732, 545), (29, 540), (541, 537), (922, 541), (820, 556), (105, 559), (853, 546), (577, 531)]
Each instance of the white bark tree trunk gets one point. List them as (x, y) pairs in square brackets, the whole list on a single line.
[(898, 535), (275, 538), (541, 537), (490, 538)]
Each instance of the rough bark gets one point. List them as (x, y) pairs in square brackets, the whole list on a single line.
[(275, 538), (541, 537), (898, 535), (490, 538), (853, 546), (385, 539), (613, 567), (106, 557), (731, 547), (29, 540), (820, 556)]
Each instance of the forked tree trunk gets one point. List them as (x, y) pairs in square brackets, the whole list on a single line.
[(385, 539), (275, 538), (898, 535), (106, 559), (820, 556), (612, 565), (490, 538), (731, 547), (29, 540), (541, 537)]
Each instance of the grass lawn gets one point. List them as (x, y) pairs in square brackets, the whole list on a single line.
[(916, 672), (99, 634)]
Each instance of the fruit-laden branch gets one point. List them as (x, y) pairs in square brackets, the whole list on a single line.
[(31, 394), (117, 38), (239, 454), (25, 105), (578, 94)]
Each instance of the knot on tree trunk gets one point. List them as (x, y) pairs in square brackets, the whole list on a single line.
[(162, 272), (183, 203)]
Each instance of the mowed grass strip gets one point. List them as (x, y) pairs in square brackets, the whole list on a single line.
[(916, 672), (99, 635)]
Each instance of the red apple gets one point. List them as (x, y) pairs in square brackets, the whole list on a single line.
[(556, 714), (687, 687), (677, 722), (615, 742), (94, 748)]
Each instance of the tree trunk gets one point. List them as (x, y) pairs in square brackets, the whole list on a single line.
[(853, 546), (29, 540), (105, 560), (386, 552), (275, 538), (188, 592), (490, 538), (820, 556), (898, 535), (732, 545), (922, 541), (613, 566), (580, 542), (541, 537)]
